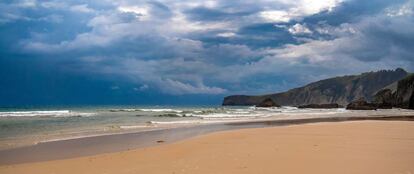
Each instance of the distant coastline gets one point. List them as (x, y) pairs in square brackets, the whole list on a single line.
[(394, 88)]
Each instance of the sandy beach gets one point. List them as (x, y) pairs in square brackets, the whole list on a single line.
[(343, 147)]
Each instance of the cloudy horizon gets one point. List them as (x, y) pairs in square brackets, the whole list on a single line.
[(192, 51)]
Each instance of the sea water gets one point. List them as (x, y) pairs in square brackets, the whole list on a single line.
[(31, 125)]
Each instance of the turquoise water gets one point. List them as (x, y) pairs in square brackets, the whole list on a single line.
[(16, 122), (29, 125), (24, 122)]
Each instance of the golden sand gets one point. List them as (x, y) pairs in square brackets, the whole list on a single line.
[(365, 147)]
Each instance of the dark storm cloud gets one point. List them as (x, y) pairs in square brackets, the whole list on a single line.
[(198, 47)]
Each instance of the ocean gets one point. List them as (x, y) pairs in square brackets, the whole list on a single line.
[(19, 127)]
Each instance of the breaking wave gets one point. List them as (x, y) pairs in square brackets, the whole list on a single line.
[(57, 113)]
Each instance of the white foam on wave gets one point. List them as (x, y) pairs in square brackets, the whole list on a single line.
[(256, 112), (316, 111), (160, 110), (145, 110), (57, 113)]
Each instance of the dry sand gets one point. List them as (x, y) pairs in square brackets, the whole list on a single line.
[(347, 147)]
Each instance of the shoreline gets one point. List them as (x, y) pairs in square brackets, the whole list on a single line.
[(20, 132), (94, 145)]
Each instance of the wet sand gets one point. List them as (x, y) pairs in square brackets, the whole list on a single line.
[(340, 147)]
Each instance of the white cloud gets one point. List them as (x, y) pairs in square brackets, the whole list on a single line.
[(401, 10), (83, 8), (53, 4), (26, 3), (141, 12), (226, 34), (142, 88), (82, 41), (298, 9), (9, 17), (276, 16), (106, 29), (299, 29), (344, 29), (310, 51), (363, 48), (177, 87), (180, 24), (60, 5), (315, 6), (169, 81), (52, 18)]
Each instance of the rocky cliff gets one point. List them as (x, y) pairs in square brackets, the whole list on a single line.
[(399, 94), (340, 90)]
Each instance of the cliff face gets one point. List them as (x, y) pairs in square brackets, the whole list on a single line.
[(402, 96), (340, 90)]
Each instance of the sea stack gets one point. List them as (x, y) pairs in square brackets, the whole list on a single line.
[(321, 106), (361, 104), (268, 102)]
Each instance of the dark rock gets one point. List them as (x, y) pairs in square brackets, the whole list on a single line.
[(384, 99), (403, 95), (321, 106), (384, 96), (341, 90), (268, 102), (399, 94), (361, 104), (383, 105), (411, 101)]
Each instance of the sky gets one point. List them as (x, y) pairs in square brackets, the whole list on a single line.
[(59, 52)]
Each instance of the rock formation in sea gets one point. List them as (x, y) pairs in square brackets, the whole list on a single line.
[(361, 104), (268, 102), (341, 90), (321, 106)]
